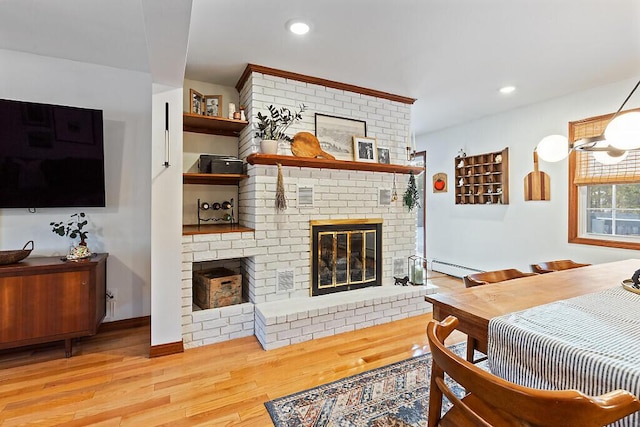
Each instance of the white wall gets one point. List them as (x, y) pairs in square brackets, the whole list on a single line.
[(521, 233), (166, 218), (122, 228)]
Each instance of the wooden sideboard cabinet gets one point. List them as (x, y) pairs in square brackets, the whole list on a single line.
[(44, 299)]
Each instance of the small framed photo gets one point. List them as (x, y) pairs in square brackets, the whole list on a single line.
[(364, 149), (213, 105), (197, 102), (383, 155)]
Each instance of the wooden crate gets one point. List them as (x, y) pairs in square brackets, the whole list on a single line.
[(216, 287)]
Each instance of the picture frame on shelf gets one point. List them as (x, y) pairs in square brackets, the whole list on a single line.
[(213, 105), (383, 155), (364, 149), (196, 102), (336, 134)]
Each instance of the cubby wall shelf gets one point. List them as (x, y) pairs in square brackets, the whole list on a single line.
[(212, 178), (482, 179), (305, 162), (212, 125)]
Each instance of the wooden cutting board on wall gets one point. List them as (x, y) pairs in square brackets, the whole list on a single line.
[(537, 185)]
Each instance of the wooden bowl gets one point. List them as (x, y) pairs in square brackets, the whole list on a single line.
[(11, 257), (628, 285)]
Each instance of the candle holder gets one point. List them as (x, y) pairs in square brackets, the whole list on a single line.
[(411, 154), (417, 270)]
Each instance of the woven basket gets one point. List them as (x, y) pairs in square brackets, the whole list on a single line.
[(10, 257)]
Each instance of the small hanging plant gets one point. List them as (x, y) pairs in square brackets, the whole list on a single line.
[(411, 198)]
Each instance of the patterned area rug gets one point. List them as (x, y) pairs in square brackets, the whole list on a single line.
[(395, 395)]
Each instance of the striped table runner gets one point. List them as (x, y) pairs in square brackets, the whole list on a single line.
[(589, 343)]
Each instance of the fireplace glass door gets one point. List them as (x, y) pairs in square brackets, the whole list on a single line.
[(345, 259)]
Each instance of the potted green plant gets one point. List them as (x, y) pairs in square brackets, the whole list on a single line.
[(272, 128), (73, 229)]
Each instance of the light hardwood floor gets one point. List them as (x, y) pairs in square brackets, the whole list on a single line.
[(111, 381)]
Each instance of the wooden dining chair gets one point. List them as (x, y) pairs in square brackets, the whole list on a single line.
[(492, 401), (477, 279), (485, 278), (550, 266)]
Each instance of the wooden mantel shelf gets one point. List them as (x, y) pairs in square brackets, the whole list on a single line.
[(304, 162)]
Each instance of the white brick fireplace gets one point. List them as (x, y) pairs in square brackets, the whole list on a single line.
[(275, 258)]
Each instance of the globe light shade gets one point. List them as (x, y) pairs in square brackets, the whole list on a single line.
[(553, 148), (624, 131), (608, 157)]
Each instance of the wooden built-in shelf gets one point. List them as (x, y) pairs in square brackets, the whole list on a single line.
[(212, 125), (212, 178), (191, 229), (305, 162)]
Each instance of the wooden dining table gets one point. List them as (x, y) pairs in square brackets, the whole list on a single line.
[(475, 307)]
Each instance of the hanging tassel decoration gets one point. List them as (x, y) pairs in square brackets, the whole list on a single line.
[(411, 198), (394, 194), (281, 200)]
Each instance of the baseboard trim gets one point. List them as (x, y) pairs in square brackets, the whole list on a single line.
[(166, 349), (116, 325)]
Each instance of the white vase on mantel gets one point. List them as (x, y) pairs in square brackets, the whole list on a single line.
[(269, 146)]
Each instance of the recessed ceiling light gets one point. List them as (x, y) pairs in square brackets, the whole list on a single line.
[(507, 89), (298, 27)]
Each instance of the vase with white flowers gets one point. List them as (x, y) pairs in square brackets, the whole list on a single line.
[(272, 128)]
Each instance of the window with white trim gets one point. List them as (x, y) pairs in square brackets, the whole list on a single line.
[(610, 211)]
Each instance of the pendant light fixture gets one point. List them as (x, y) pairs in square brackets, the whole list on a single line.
[(609, 156), (621, 134)]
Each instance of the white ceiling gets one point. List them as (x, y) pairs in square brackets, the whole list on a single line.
[(452, 55)]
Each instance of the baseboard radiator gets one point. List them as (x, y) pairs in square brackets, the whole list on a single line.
[(452, 269)]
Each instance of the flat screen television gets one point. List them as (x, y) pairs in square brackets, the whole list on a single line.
[(50, 156)]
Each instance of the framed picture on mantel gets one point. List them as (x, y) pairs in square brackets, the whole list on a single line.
[(365, 149), (383, 155), (336, 134)]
